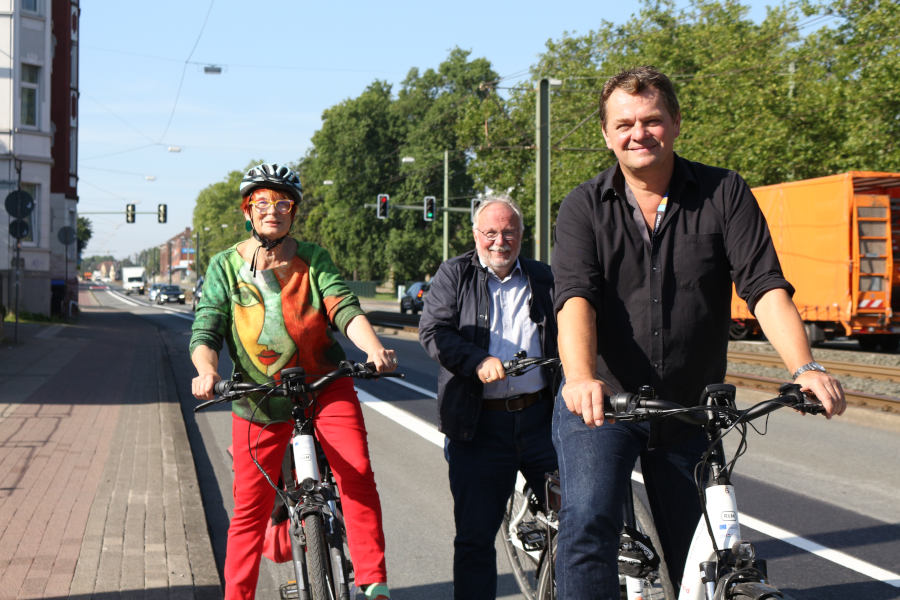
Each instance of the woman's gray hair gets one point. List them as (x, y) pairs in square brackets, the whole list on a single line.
[(498, 199)]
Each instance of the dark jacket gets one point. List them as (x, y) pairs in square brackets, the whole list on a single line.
[(454, 330)]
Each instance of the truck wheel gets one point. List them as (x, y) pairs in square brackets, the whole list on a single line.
[(738, 331)]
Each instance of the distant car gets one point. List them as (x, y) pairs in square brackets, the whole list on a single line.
[(414, 298), (198, 293), (154, 291), (170, 293)]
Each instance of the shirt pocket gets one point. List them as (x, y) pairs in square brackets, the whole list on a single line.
[(700, 261)]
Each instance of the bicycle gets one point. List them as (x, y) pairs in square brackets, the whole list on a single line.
[(528, 531), (720, 564), (321, 561)]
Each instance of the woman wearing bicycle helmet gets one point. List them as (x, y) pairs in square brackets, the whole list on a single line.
[(275, 299)]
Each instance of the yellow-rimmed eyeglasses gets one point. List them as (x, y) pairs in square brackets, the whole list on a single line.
[(493, 235), (281, 206)]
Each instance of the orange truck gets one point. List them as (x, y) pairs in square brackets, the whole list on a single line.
[(838, 239)]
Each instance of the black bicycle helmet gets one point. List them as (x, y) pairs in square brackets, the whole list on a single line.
[(272, 176)]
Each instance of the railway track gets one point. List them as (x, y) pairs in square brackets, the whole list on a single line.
[(874, 401)]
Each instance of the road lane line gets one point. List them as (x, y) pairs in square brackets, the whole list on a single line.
[(171, 311), (430, 433)]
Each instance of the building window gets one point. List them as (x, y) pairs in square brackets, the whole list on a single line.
[(29, 102), (32, 219), (31, 5)]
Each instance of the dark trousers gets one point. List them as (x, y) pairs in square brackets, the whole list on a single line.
[(482, 476), (595, 467)]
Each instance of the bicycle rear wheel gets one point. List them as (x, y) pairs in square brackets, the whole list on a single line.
[(317, 563), (524, 541), (656, 585)]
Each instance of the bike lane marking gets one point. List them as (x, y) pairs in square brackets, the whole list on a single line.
[(430, 433), (119, 296)]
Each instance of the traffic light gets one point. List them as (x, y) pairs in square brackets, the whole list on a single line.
[(381, 206), (428, 208), (475, 203), (129, 213), (161, 213)]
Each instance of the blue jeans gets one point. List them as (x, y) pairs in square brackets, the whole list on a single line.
[(482, 476), (595, 467)]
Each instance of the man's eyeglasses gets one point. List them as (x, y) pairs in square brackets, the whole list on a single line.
[(281, 206), (493, 235)]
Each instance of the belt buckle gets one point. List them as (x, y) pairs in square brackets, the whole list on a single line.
[(506, 403)]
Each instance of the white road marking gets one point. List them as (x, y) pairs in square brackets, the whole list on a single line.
[(430, 433), (123, 298)]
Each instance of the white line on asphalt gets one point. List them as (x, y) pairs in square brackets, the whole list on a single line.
[(171, 311), (430, 433)]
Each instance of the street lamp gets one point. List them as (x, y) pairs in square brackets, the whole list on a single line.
[(408, 159), (328, 182)]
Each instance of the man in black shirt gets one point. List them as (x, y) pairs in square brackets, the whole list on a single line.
[(644, 259)]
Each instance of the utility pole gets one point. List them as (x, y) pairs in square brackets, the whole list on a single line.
[(542, 174), (446, 204)]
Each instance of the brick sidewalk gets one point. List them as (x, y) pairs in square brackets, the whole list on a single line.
[(98, 493)]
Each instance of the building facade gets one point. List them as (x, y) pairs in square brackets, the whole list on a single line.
[(38, 151)]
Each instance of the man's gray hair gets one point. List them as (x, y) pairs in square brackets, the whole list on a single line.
[(497, 199)]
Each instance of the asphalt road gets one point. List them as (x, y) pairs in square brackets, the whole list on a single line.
[(820, 495)]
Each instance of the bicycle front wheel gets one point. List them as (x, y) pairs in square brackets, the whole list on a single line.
[(317, 563), (524, 541)]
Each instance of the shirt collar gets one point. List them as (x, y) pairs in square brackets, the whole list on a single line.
[(611, 183), (516, 268)]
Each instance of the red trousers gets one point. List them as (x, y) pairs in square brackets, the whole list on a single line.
[(342, 434)]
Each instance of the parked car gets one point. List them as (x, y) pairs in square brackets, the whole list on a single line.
[(414, 297), (154, 291), (198, 293), (170, 293)]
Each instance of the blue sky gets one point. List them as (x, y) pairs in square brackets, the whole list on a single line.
[(283, 63)]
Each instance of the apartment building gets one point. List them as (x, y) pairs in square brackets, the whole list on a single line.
[(39, 151)]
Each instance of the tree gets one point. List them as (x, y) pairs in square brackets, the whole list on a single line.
[(83, 233), (218, 217)]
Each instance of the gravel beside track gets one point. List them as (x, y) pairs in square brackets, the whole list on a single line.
[(859, 384)]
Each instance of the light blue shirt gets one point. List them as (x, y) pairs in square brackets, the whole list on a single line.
[(512, 330)]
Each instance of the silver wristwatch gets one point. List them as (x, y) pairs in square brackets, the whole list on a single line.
[(810, 366)]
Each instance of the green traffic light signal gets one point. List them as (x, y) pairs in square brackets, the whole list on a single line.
[(428, 208)]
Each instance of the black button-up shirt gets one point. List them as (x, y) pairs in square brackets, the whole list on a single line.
[(663, 299)]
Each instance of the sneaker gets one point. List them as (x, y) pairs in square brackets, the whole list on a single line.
[(376, 591)]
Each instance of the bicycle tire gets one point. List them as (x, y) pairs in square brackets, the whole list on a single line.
[(656, 587), (661, 587), (317, 567), (524, 566), (339, 561)]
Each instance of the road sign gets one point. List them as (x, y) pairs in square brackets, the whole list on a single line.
[(19, 204), (66, 235), (19, 229)]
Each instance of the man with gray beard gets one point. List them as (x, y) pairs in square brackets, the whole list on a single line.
[(483, 307)]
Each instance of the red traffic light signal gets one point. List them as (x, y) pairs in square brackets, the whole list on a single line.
[(381, 206)]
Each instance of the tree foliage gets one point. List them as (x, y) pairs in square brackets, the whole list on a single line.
[(813, 89)]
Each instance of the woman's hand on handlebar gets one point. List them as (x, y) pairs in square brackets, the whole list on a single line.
[(384, 360), (584, 397), (202, 385)]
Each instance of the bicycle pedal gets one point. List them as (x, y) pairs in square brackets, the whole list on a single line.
[(289, 591), (532, 536)]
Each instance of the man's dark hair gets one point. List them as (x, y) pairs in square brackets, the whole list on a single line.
[(635, 81)]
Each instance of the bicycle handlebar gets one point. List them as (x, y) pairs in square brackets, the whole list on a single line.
[(632, 407), (292, 382), (521, 363)]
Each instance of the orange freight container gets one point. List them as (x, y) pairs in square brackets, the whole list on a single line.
[(838, 239)]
